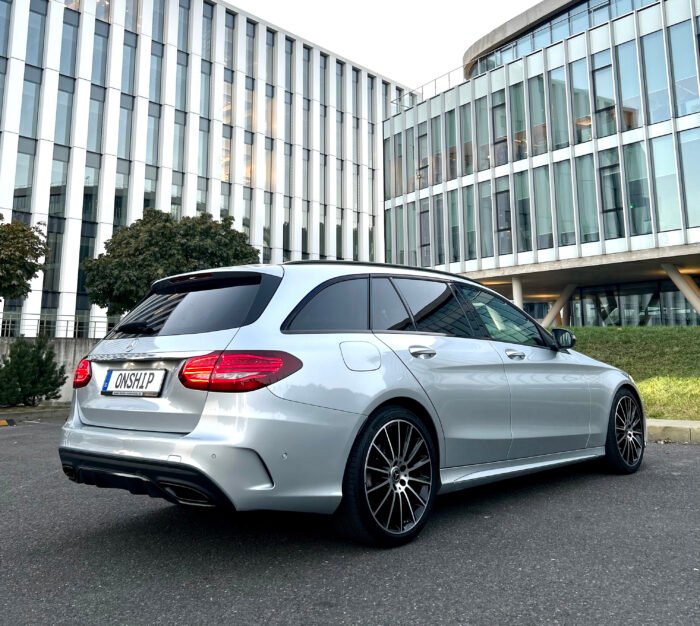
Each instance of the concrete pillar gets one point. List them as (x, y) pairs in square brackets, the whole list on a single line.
[(517, 291), (558, 306), (686, 285)]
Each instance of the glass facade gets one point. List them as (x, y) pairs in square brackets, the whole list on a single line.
[(565, 148)]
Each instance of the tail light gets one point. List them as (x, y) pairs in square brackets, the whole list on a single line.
[(237, 371), (83, 374)]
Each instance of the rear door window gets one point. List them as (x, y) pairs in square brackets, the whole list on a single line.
[(388, 312), (199, 306), (342, 306), (434, 307)]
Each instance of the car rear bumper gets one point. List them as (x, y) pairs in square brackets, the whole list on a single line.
[(253, 450)]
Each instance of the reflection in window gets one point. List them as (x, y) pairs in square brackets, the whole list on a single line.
[(388, 311), (563, 203), (482, 134), (180, 82), (604, 92), (485, 219), (125, 115), (439, 230), (637, 188), (522, 209), (655, 78), (205, 89), (424, 228), (586, 198), (400, 252), (155, 80), (411, 221), (453, 225), (690, 157), (176, 195), (410, 160), (611, 193), (436, 140), (503, 220), (685, 81), (129, 63), (69, 43), (24, 176), (121, 195), (538, 119), (451, 141), (469, 222), (668, 213), (580, 97), (97, 102), (423, 158), (35, 33), (628, 82), (149, 187), (64, 111), (99, 53), (398, 164), (500, 127), (152, 134), (557, 106)]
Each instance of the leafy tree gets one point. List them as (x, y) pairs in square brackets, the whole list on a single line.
[(21, 247), (159, 245), (30, 374)]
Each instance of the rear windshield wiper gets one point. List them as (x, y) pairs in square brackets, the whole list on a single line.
[(142, 328)]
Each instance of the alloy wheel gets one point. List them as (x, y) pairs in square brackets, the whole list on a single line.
[(628, 430), (398, 476)]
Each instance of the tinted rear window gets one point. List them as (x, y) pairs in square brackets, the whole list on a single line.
[(434, 307), (388, 312), (189, 309), (341, 306)]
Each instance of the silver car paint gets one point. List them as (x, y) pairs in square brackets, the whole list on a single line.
[(286, 446)]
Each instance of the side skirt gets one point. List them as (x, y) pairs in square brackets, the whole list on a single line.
[(456, 478)]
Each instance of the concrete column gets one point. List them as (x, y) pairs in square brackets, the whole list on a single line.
[(686, 285), (558, 306), (517, 291)]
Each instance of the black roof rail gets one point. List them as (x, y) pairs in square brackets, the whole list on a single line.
[(373, 264)]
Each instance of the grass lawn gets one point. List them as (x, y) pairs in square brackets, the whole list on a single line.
[(664, 362)]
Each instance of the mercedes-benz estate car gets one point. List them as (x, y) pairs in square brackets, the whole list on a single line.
[(360, 390)]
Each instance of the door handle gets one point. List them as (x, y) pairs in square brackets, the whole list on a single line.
[(515, 355), (422, 352)]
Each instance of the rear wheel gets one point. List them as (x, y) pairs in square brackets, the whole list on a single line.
[(391, 480), (624, 447)]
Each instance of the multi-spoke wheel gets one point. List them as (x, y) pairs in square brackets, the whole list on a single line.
[(391, 479), (624, 447)]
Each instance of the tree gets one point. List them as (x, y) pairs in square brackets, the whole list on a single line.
[(157, 246), (30, 374), (21, 247)]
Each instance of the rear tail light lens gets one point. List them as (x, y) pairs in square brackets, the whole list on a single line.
[(83, 374), (237, 371)]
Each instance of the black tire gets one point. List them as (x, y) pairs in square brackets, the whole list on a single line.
[(392, 465), (624, 445)]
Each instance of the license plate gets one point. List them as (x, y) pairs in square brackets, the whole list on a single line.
[(144, 383)]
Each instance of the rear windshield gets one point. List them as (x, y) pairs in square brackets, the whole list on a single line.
[(199, 307)]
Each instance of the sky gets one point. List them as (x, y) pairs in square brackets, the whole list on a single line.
[(411, 41)]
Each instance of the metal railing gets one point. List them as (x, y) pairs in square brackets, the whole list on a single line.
[(14, 324), (428, 90)]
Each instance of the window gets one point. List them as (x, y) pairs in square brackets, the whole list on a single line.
[(563, 203), (64, 110), (411, 220), (665, 183), (410, 160), (557, 108), (500, 127), (685, 81), (465, 113), (29, 114), (179, 142), (580, 97), (388, 236), (270, 38), (250, 60), (121, 194), (453, 225), (469, 222), (451, 141), (102, 10), (482, 134), (99, 53), (585, 195), (388, 311), (183, 25), (611, 192), (637, 188), (150, 185), (485, 219), (503, 221), (207, 19), (605, 115), (125, 116), (538, 116), (5, 11), (423, 159), (229, 39), (35, 32), (131, 15), (158, 20), (439, 230), (628, 82), (97, 103), (543, 208), (228, 98), (180, 81), (655, 78), (424, 232), (340, 306), (522, 208), (24, 176), (129, 63), (503, 321), (205, 89), (152, 134), (518, 124), (434, 307), (69, 42), (690, 157), (156, 72)]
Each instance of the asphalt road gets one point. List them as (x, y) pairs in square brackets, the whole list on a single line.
[(568, 546)]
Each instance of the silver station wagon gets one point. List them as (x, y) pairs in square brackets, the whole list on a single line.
[(360, 390)]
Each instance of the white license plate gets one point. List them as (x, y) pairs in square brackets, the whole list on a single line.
[(133, 383)]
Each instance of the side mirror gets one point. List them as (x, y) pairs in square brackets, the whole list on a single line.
[(565, 338)]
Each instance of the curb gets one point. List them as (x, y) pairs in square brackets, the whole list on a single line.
[(673, 431)]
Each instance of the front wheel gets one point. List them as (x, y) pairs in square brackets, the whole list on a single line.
[(391, 480), (624, 447)]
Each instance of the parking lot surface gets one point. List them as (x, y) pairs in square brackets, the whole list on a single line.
[(569, 546)]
